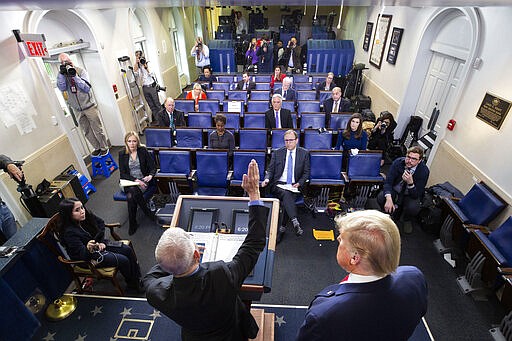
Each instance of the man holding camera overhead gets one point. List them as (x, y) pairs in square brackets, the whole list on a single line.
[(74, 83), (148, 81), (201, 55)]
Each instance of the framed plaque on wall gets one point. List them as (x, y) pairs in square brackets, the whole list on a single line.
[(394, 45), (379, 39), (367, 36)]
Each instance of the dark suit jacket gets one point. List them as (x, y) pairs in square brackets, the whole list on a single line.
[(291, 95), (75, 239), (392, 308), (240, 86), (206, 304), (321, 87), (178, 116), (285, 115), (342, 106), (301, 168), (394, 176), (147, 164)]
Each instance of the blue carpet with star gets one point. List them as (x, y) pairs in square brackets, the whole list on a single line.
[(119, 319)]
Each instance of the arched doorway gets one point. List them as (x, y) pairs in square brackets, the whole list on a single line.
[(448, 48)]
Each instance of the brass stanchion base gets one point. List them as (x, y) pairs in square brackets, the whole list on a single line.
[(61, 308)]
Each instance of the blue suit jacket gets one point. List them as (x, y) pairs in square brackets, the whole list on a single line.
[(387, 309), (291, 95), (301, 168), (394, 176)]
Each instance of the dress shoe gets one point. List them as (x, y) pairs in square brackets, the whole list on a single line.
[(104, 152), (96, 152)]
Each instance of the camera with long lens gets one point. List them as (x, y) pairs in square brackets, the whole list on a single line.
[(68, 70), (383, 125), (142, 60)]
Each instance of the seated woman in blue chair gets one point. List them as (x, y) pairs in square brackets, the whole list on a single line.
[(353, 137), (137, 164), (83, 235)]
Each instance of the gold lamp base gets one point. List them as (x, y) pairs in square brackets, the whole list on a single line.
[(61, 308)]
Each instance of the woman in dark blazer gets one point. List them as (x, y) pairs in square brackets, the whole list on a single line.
[(83, 236), (353, 137), (136, 164)]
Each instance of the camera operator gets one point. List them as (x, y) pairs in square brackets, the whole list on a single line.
[(201, 55), (74, 84), (148, 81), (7, 222), (264, 58), (241, 24), (382, 134), (292, 56)]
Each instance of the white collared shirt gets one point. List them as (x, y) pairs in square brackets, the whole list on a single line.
[(355, 278)]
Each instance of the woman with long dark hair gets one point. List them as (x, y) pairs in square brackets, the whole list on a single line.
[(353, 137), (83, 235), (136, 164)]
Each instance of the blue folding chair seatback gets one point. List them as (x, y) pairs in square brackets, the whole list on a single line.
[(260, 95), (263, 86), (174, 163), (339, 121), (300, 79), (257, 106), (317, 79), (233, 106), (499, 243), (158, 137), (241, 160), (312, 120), (252, 120), (306, 95), (303, 86), (314, 140), (200, 120), (189, 138), (289, 105), (209, 105), (232, 120), (479, 206), (262, 78), (253, 139), (221, 86), (212, 172), (277, 137), (326, 169), (308, 106), (364, 167), (324, 95), (225, 79), (219, 95), (240, 95), (185, 105)]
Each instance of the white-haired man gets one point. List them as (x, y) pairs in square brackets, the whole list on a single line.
[(203, 297)]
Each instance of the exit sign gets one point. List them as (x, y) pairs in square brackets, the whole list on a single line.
[(33, 43)]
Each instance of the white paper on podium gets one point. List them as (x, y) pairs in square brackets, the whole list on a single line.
[(127, 183), (288, 187)]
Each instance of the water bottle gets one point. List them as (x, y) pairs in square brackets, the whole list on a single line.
[(229, 69)]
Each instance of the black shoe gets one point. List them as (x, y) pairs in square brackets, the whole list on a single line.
[(133, 228), (96, 152), (137, 285), (104, 152)]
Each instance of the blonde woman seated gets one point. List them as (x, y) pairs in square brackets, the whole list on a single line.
[(196, 94)]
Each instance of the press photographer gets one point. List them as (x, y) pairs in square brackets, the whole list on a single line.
[(74, 83), (150, 86), (292, 56), (251, 56), (201, 54)]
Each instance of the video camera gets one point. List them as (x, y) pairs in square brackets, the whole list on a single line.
[(67, 70), (142, 60), (28, 196)]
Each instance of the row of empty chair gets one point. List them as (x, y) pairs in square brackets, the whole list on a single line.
[(265, 78), (237, 104), (259, 139)]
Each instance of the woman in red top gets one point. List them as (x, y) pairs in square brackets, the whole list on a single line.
[(278, 76), (196, 94)]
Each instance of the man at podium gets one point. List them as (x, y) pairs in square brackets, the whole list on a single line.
[(203, 297)]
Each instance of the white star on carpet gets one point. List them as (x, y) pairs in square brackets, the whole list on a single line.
[(113, 339), (155, 314), (80, 337), (97, 310), (49, 337), (280, 320), (126, 312)]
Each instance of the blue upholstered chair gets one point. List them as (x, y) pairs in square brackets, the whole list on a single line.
[(216, 94), (232, 120), (222, 86), (262, 78), (324, 95), (212, 172), (189, 138), (306, 95), (240, 95), (263, 86), (257, 106), (225, 79), (314, 140), (209, 105), (253, 139), (158, 137), (339, 121), (199, 120), (174, 173), (289, 105), (312, 121), (252, 120), (241, 160), (260, 95), (234, 106), (277, 138), (300, 79), (303, 86), (326, 175), (308, 106), (185, 105)]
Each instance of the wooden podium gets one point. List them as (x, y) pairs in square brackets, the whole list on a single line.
[(226, 211)]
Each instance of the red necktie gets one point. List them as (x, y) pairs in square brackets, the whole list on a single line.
[(344, 279)]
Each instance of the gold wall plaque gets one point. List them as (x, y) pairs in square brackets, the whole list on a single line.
[(493, 110)]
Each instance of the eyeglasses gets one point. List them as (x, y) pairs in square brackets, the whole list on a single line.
[(412, 158), (330, 78), (289, 140)]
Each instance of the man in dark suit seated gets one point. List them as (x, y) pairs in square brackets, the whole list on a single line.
[(203, 297), (278, 117), (171, 117), (289, 165), (246, 83), (286, 90), (404, 187), (326, 85), (335, 103), (377, 300)]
